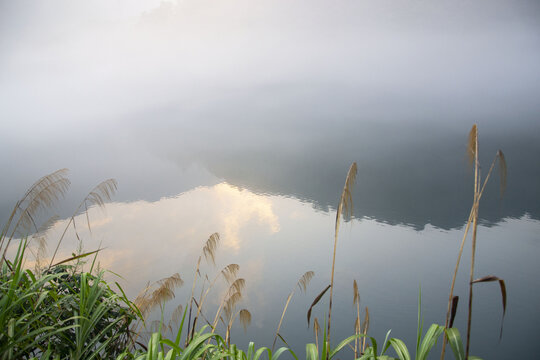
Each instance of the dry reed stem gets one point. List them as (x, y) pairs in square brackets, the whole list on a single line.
[(316, 331), (197, 273), (454, 279), (245, 320), (302, 285), (475, 227), (365, 328), (356, 301)]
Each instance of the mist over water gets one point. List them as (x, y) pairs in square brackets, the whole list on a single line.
[(216, 111)]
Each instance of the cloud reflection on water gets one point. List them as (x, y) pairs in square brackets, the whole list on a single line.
[(275, 239)]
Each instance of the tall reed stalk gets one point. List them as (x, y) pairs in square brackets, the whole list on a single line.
[(479, 188), (345, 208)]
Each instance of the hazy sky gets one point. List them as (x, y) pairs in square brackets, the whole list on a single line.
[(70, 67)]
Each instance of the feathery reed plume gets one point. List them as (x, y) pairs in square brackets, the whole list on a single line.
[(209, 252), (41, 195), (230, 306), (303, 282), (229, 301), (39, 239), (245, 318), (345, 208), (237, 286), (229, 272), (158, 293), (101, 193), (39, 253), (153, 295), (209, 249), (302, 285), (177, 314)]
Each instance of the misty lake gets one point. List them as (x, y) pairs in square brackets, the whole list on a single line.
[(243, 120)]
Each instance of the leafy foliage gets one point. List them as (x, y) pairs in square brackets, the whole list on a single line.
[(69, 314)]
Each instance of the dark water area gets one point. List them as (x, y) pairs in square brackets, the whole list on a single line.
[(243, 119)]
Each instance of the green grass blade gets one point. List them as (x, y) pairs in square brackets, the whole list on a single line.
[(454, 339), (400, 348), (430, 339)]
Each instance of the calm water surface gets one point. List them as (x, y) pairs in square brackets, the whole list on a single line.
[(243, 119)]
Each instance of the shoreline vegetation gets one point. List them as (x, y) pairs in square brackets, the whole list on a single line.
[(58, 310)]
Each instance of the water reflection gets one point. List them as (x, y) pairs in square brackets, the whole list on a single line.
[(275, 239), (403, 178)]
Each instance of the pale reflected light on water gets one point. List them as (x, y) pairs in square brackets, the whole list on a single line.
[(276, 239)]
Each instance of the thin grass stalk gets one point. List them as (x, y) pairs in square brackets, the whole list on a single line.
[(229, 326), (281, 319), (202, 314), (473, 254), (191, 298), (243, 318), (302, 284), (199, 308), (479, 193), (454, 278)]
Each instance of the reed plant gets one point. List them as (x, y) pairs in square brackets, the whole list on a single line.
[(345, 209), (479, 188)]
